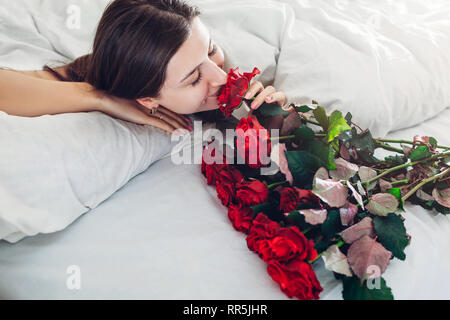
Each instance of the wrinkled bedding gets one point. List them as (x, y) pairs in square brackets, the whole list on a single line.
[(165, 235)]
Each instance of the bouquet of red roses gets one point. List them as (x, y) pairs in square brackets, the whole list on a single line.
[(304, 194)]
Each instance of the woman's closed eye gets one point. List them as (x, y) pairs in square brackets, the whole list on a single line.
[(214, 50), (198, 79)]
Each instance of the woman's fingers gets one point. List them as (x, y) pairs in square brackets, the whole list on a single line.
[(181, 120), (255, 87), (159, 115), (262, 96), (163, 125), (268, 94), (278, 97)]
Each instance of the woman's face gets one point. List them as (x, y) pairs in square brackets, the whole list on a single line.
[(194, 75)]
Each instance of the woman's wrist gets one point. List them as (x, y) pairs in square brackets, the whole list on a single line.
[(94, 99)]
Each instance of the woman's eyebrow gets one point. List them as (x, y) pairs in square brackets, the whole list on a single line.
[(190, 73)]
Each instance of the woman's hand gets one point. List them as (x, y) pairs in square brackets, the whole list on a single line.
[(132, 111), (268, 95)]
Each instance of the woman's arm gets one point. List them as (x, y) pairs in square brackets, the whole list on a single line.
[(25, 95), (28, 96)]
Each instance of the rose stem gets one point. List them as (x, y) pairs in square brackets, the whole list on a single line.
[(293, 136), (276, 184), (405, 165), (413, 190), (407, 142), (399, 182), (387, 147), (339, 244)]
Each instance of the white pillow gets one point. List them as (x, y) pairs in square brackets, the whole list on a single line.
[(54, 168)]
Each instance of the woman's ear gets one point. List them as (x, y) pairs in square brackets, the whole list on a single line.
[(148, 103)]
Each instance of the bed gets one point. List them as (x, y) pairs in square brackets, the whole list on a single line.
[(165, 235)]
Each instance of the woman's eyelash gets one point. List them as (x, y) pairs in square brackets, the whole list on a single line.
[(198, 79), (213, 51), (199, 72)]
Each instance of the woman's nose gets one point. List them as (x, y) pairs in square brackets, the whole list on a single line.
[(219, 77)]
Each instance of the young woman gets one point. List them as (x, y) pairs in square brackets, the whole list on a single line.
[(152, 62)]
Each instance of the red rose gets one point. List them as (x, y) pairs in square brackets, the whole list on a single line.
[(289, 199), (226, 181), (230, 95), (251, 193), (296, 278), (301, 247), (240, 216), (209, 168), (262, 228), (306, 196), (253, 140), (284, 245)]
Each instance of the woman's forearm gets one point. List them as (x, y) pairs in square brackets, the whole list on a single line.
[(27, 96)]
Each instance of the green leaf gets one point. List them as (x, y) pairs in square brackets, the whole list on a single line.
[(303, 166), (262, 207), (332, 225), (270, 109), (363, 143), (302, 109), (299, 220), (397, 192), (304, 133), (396, 160), (392, 234), (348, 118), (433, 142), (337, 125), (322, 118), (324, 152), (447, 161), (421, 152), (440, 208), (353, 290)]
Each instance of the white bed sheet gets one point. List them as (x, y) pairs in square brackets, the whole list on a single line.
[(165, 235)]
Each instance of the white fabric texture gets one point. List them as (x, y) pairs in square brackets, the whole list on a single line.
[(386, 61), (55, 168), (166, 235)]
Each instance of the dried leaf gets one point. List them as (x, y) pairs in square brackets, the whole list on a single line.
[(356, 195), (348, 213), (424, 196), (381, 204), (283, 163), (331, 191), (314, 216), (344, 169), (366, 254), (360, 188), (336, 261), (322, 173), (366, 173), (442, 197), (385, 185), (344, 153), (359, 230)]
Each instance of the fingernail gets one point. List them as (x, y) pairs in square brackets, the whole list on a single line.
[(254, 105), (269, 98), (247, 96)]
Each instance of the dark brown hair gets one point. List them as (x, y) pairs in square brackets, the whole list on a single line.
[(134, 42)]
